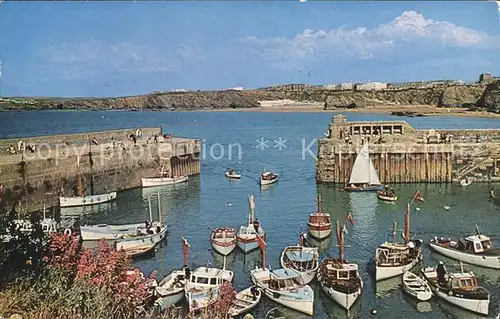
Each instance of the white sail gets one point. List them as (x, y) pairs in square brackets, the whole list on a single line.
[(363, 171)]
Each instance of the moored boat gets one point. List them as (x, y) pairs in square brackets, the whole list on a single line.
[(232, 174), (247, 236), (302, 259), (387, 196), (475, 249), (338, 278), (416, 286), (364, 176), (162, 178), (245, 301), (394, 259), (170, 290), (268, 178), (458, 288), (109, 232), (139, 250), (202, 287), (319, 223), (223, 240)]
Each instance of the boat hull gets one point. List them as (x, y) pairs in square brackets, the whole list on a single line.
[(224, 247), (134, 242), (320, 232), (247, 245), (478, 260), (170, 300), (86, 200), (244, 302), (161, 181), (174, 292), (264, 182), (416, 286), (233, 176), (308, 275), (386, 272), (108, 232), (387, 198), (343, 299), (372, 188)]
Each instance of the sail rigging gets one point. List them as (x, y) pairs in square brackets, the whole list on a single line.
[(363, 171)]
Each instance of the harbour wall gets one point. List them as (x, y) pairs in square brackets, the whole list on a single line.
[(38, 178), (407, 155)]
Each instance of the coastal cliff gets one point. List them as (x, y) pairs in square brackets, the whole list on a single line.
[(477, 96)]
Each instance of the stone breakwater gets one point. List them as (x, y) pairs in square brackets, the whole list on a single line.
[(467, 96), (115, 163)]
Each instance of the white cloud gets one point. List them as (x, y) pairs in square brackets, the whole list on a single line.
[(363, 43), (89, 58)]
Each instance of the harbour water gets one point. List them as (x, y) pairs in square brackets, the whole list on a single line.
[(211, 200)]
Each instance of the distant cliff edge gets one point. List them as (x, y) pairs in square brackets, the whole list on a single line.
[(478, 96)]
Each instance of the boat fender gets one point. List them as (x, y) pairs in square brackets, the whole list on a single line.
[(92, 200), (450, 293), (98, 199), (67, 231), (437, 289), (330, 290), (84, 201)]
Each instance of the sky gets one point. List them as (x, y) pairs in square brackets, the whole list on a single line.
[(70, 49)]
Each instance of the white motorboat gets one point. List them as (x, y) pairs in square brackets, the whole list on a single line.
[(338, 278), (364, 176), (223, 240), (245, 301), (246, 238), (458, 288), (132, 242), (86, 200), (110, 232), (394, 259), (319, 223), (202, 288), (416, 286), (475, 249), (232, 174), (284, 286), (268, 178), (170, 290), (302, 259), (161, 181)]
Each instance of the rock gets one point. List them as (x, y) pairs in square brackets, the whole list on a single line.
[(490, 100), (461, 96)]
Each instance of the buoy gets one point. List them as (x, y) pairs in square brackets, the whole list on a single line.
[(67, 231), (374, 311)]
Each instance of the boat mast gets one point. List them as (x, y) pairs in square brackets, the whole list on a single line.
[(149, 208), (477, 230), (369, 166), (319, 203), (394, 238), (340, 238), (185, 246), (79, 183), (407, 223), (91, 169), (43, 210), (159, 208), (262, 245)]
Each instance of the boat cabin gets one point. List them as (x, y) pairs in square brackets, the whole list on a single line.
[(475, 244), (463, 281), (210, 277), (247, 230), (319, 218), (282, 279), (336, 270), (392, 254), (220, 233), (300, 258)]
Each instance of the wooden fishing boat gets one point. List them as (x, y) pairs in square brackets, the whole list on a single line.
[(139, 250), (246, 238), (161, 179), (170, 290), (232, 174), (416, 286), (394, 259), (202, 287), (223, 240), (364, 176), (384, 196), (475, 249), (319, 223), (302, 259), (338, 278), (245, 301), (458, 288), (268, 178), (84, 200)]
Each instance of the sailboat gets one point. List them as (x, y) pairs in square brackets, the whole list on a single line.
[(246, 238), (394, 259), (319, 223), (80, 199), (161, 179), (338, 278), (364, 176)]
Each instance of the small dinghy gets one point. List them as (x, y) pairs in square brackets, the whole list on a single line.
[(416, 286), (302, 259), (232, 174), (245, 301), (268, 178), (387, 196), (465, 182), (140, 250)]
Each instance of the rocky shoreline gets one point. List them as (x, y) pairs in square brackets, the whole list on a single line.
[(478, 97)]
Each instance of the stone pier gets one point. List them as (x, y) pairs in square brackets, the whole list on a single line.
[(114, 163), (403, 154)]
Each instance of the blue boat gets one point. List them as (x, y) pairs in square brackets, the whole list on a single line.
[(364, 176)]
